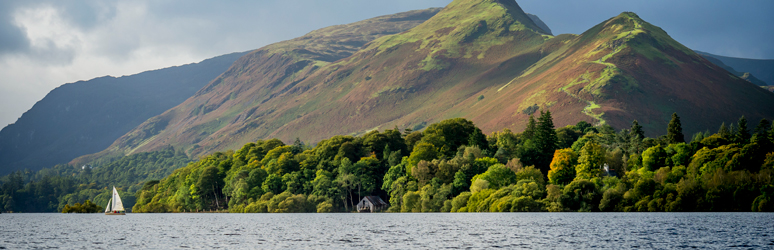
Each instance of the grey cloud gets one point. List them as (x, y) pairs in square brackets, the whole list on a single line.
[(12, 38)]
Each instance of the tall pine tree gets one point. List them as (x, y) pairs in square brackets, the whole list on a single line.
[(637, 130), (545, 140), (723, 131), (529, 132), (675, 130), (742, 135), (637, 135), (763, 127)]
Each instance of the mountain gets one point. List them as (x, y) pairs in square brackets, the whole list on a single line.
[(625, 69), (87, 116), (760, 68), (484, 60), (231, 107), (747, 64), (540, 23)]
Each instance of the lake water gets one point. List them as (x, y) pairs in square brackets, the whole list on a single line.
[(389, 231)]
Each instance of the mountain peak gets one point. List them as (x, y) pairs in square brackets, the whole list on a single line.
[(629, 29), (495, 14), (467, 29)]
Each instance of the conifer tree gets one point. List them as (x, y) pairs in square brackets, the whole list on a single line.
[(529, 132), (723, 131), (637, 130), (675, 130), (763, 127), (636, 135), (731, 132), (743, 134), (545, 140)]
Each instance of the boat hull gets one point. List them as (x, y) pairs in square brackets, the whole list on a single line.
[(117, 213)]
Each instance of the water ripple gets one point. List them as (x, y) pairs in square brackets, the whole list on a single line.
[(389, 231)]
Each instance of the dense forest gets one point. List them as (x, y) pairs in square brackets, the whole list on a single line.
[(51, 189), (450, 166)]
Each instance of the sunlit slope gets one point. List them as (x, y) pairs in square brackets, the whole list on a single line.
[(625, 69), (485, 60), (240, 104)]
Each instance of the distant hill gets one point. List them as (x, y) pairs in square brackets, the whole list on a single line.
[(485, 60), (540, 23), (760, 69), (86, 116)]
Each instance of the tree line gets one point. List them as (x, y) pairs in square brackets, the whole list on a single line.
[(452, 166), (52, 189)]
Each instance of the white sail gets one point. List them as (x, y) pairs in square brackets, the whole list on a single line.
[(107, 207), (117, 204)]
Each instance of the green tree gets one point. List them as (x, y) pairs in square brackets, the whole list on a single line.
[(590, 161), (742, 134), (636, 135), (723, 131), (273, 184), (682, 154), (498, 176), (584, 127), (209, 184), (636, 130), (580, 195), (763, 127), (422, 152), (530, 130), (654, 158), (461, 182), (448, 135), (675, 130), (545, 140)]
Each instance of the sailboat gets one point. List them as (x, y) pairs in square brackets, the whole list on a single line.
[(115, 206)]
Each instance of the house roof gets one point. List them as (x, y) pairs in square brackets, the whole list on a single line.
[(374, 200)]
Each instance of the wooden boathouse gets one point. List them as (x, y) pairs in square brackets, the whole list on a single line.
[(371, 204)]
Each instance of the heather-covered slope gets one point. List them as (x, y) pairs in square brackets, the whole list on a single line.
[(236, 107), (625, 69), (87, 116), (485, 60)]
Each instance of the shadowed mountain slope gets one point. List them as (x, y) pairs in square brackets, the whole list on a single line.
[(87, 116), (744, 75), (485, 60), (761, 69)]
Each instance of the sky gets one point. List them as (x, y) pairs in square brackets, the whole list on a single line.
[(47, 43)]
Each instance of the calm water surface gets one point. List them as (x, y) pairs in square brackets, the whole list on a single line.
[(389, 231)]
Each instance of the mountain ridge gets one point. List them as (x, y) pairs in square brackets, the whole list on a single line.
[(761, 69), (86, 116), (483, 60)]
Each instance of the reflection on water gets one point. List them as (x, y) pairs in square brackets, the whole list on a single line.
[(389, 231)]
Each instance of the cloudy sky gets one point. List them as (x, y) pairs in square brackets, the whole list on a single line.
[(44, 44)]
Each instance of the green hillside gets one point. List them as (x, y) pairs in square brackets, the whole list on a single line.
[(483, 60)]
